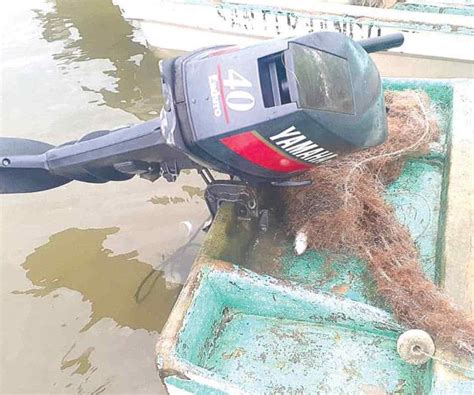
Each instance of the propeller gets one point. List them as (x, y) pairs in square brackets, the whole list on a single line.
[(26, 179)]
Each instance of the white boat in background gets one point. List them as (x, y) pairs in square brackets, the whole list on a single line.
[(442, 31)]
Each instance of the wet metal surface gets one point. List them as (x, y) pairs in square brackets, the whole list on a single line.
[(86, 279)]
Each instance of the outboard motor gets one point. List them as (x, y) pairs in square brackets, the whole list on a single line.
[(261, 114)]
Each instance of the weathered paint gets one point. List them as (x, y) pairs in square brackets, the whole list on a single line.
[(416, 196), (458, 253), (179, 386), (319, 326), (458, 276), (265, 335), (440, 8), (245, 22)]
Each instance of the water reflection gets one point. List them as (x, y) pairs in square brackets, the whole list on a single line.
[(116, 286), (95, 30), (165, 200), (189, 189), (82, 363), (193, 191)]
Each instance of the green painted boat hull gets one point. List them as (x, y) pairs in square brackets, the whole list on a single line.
[(255, 318)]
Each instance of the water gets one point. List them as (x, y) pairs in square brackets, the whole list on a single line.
[(86, 283)]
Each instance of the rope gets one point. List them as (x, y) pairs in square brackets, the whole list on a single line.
[(449, 363), (140, 298)]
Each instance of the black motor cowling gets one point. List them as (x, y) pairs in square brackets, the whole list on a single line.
[(272, 110)]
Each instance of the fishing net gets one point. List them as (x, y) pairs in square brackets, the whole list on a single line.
[(345, 212)]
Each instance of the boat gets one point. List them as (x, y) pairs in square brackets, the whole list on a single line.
[(435, 30), (254, 317)]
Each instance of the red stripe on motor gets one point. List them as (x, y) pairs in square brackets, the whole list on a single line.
[(249, 146), (222, 93)]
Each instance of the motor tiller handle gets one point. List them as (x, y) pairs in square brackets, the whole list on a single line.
[(382, 43)]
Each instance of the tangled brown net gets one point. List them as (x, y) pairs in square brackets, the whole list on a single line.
[(345, 212)]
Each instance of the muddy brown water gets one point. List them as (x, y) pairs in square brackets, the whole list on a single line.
[(88, 272), (86, 283)]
